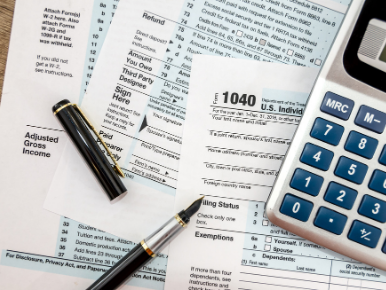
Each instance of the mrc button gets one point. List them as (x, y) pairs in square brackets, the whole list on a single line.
[(371, 119), (337, 106)]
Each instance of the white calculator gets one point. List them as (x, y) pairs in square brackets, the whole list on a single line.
[(331, 188)]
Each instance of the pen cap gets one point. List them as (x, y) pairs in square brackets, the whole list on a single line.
[(80, 135)]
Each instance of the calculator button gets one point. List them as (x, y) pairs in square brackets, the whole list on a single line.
[(316, 156), (373, 208), (382, 157), (384, 248), (326, 131), (307, 182), (378, 181), (330, 220), (361, 144), (337, 106), (296, 207), (340, 195), (351, 170), (364, 234), (371, 119)]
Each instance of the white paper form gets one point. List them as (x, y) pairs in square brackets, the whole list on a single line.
[(79, 256), (138, 93), (53, 49), (238, 128)]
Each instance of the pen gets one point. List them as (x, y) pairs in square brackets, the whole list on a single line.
[(74, 122), (145, 251)]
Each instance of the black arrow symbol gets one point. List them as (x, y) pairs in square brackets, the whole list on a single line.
[(166, 173), (174, 101), (171, 42), (167, 50), (143, 125)]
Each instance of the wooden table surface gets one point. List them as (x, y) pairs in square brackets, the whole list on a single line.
[(6, 14)]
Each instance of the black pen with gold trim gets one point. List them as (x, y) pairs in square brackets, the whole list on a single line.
[(78, 127), (146, 250)]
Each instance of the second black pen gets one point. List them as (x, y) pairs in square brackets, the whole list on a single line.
[(146, 250)]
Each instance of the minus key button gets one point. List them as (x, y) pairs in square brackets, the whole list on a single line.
[(371, 119)]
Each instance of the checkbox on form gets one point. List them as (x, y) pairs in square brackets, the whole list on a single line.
[(268, 239)]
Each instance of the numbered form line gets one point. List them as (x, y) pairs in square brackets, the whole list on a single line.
[(156, 76), (76, 261), (211, 36), (168, 63)]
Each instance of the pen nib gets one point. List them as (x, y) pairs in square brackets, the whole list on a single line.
[(194, 207)]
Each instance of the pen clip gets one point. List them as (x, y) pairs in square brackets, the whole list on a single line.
[(117, 169)]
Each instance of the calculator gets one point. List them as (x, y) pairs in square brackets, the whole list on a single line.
[(331, 188)]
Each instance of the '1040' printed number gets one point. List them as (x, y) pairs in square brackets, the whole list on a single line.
[(243, 99)]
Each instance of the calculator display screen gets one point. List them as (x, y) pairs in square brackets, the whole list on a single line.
[(365, 56), (372, 49), (382, 57)]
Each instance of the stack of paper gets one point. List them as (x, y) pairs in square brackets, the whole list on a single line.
[(139, 96)]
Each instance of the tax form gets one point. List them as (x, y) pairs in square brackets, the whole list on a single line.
[(138, 93), (53, 50), (237, 131)]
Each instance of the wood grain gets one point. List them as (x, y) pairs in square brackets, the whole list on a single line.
[(6, 15)]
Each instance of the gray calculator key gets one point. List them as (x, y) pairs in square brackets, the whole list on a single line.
[(337, 106), (371, 119)]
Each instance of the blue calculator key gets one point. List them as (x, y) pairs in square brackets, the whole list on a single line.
[(364, 234), (330, 220), (382, 157), (351, 170), (371, 119), (316, 156), (361, 145), (306, 181), (378, 181), (384, 248), (337, 106), (373, 208), (340, 195), (296, 207), (326, 131)]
